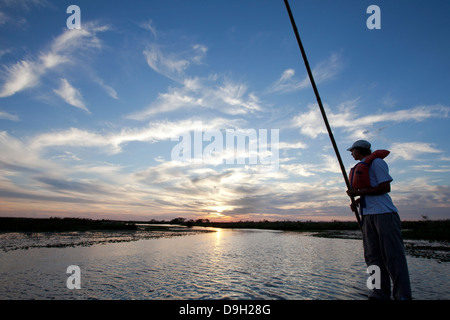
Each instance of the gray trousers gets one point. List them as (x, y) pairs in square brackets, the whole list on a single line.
[(383, 247)]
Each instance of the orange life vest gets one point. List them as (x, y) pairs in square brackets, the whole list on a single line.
[(359, 174)]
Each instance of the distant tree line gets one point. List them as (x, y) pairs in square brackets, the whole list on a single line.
[(425, 229)]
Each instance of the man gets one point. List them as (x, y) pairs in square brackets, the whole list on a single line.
[(381, 226)]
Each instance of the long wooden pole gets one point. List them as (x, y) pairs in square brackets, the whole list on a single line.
[(322, 110)]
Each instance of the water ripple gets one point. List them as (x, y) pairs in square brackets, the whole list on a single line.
[(229, 264)]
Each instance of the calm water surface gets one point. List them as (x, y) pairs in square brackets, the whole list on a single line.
[(227, 264)]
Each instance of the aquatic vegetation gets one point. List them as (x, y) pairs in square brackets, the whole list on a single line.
[(62, 224)]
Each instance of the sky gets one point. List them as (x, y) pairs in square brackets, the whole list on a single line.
[(203, 109)]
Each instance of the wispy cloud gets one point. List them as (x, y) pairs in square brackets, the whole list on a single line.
[(112, 142), (311, 122), (109, 90), (411, 150), (27, 174), (23, 75), (226, 97), (6, 19), (15, 17), (171, 57), (172, 187), (324, 71), (173, 64), (64, 49), (208, 92), (150, 26), (415, 194), (292, 145), (25, 4), (71, 95), (8, 116)]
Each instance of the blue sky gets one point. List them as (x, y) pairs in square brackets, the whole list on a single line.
[(90, 118)]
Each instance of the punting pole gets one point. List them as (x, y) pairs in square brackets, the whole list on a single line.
[(322, 110)]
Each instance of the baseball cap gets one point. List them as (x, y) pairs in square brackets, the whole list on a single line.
[(360, 144)]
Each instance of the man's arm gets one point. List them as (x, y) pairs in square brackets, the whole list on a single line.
[(382, 188)]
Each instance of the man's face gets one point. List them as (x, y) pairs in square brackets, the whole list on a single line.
[(356, 154)]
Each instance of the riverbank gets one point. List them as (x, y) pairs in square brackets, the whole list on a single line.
[(432, 230), (25, 233), (61, 224), (232, 264), (427, 238)]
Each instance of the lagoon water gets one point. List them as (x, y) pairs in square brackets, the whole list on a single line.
[(225, 264)]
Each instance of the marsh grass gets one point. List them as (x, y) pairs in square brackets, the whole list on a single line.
[(433, 230), (61, 224)]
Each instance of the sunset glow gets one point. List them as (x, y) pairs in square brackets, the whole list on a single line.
[(127, 117)]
